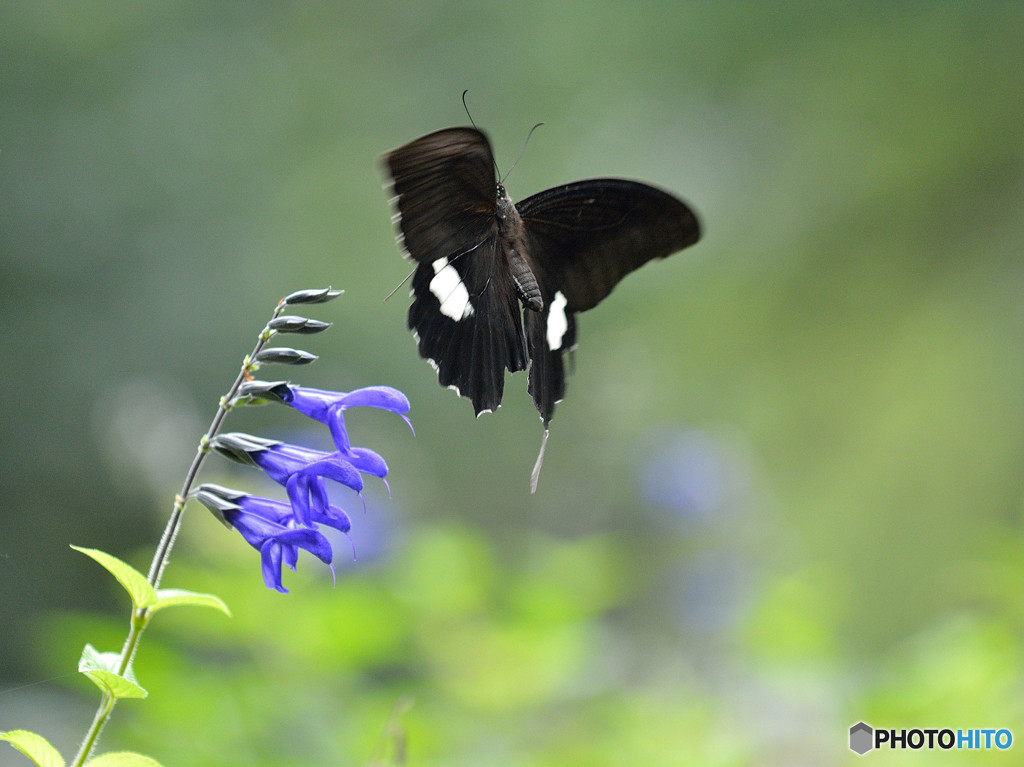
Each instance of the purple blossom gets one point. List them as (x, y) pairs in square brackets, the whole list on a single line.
[(278, 529), (328, 407), (302, 470), (270, 527)]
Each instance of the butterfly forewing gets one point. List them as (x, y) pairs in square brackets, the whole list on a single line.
[(588, 235), (444, 188)]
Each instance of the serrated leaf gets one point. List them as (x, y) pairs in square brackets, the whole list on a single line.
[(122, 759), (35, 747), (134, 582), (101, 668), (116, 686), (175, 597), (94, 660)]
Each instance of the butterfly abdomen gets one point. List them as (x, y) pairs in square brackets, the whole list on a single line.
[(513, 235)]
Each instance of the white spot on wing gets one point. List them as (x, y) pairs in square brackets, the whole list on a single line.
[(558, 321), (450, 292)]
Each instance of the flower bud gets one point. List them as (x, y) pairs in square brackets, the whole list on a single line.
[(315, 296), (285, 356), (295, 324)]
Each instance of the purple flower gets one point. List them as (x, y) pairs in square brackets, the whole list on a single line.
[(302, 470), (328, 406), (278, 529), (270, 527)]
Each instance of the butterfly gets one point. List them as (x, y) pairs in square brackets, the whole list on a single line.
[(480, 257)]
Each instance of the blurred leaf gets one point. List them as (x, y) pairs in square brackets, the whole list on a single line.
[(35, 747), (122, 759), (793, 620), (447, 571), (570, 580)]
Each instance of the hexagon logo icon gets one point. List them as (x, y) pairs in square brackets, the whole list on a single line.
[(861, 738)]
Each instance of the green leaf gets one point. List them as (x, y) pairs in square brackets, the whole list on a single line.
[(122, 759), (175, 597), (35, 747), (101, 668), (134, 582)]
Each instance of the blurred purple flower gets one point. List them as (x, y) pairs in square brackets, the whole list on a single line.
[(688, 473), (711, 593)]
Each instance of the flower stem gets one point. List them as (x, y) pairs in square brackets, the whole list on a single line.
[(140, 618)]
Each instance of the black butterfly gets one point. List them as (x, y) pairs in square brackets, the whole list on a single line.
[(558, 252)]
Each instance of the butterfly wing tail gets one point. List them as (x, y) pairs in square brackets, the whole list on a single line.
[(550, 333)]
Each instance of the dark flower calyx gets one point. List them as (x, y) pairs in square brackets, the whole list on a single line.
[(263, 391), (240, 447)]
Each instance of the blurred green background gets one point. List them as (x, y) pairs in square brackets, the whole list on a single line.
[(783, 494)]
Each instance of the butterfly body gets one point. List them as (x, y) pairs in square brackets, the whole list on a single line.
[(480, 257), (513, 235)]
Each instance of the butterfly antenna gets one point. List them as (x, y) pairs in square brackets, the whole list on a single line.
[(399, 285), (521, 151), (466, 107), (535, 475), (473, 123)]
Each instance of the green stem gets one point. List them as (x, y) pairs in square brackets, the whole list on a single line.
[(140, 618), (102, 714)]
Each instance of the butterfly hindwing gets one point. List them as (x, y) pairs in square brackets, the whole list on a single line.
[(550, 334), (465, 315)]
